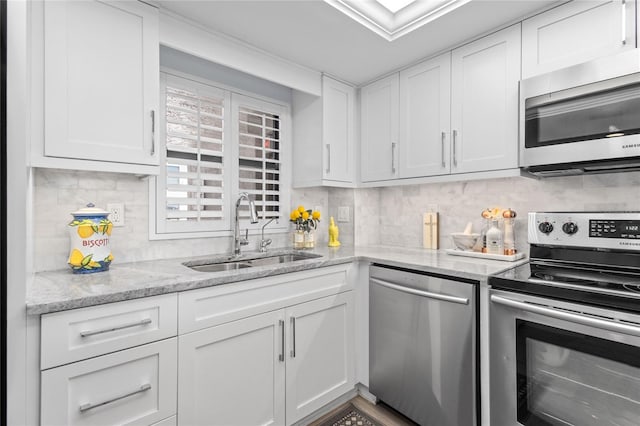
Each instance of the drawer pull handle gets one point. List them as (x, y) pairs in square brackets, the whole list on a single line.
[(89, 406), (115, 328)]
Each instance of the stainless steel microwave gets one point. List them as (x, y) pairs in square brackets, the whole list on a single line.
[(582, 119)]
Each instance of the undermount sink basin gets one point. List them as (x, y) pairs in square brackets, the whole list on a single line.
[(247, 262), (219, 267)]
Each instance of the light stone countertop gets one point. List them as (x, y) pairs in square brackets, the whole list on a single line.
[(61, 290)]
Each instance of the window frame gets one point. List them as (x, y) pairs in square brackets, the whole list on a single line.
[(234, 98)]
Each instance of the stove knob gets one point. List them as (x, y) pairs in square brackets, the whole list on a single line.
[(570, 228), (545, 227)]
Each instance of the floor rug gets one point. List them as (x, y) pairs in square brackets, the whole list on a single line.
[(350, 416)]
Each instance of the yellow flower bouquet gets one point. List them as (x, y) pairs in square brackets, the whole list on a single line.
[(304, 219)]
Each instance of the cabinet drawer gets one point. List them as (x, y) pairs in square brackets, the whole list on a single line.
[(78, 334), (216, 305), (132, 386), (171, 421)]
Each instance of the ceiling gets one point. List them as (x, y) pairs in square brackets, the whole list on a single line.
[(316, 35)]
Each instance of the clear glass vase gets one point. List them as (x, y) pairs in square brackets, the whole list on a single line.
[(309, 239), (298, 239)]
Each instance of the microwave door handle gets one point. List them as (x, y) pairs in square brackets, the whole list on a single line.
[(568, 316)]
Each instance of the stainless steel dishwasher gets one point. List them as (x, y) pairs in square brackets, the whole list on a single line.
[(423, 346)]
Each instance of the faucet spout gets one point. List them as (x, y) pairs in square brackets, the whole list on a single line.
[(264, 243), (253, 218)]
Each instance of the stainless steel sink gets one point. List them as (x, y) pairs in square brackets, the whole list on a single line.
[(219, 267), (229, 264), (281, 258)]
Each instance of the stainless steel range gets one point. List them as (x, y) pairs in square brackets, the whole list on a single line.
[(565, 327)]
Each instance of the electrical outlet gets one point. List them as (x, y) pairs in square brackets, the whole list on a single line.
[(343, 214), (116, 213)]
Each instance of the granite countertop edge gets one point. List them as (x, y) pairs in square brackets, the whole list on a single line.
[(61, 290)]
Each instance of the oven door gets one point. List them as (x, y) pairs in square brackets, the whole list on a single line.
[(558, 363)]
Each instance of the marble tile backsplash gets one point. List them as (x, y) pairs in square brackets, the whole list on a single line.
[(400, 208), (390, 216), (57, 193)]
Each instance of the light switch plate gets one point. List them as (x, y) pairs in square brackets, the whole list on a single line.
[(343, 214)]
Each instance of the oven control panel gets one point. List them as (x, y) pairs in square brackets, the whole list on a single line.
[(608, 230)]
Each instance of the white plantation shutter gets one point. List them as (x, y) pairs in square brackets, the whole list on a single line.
[(259, 162), (218, 144), (195, 196)]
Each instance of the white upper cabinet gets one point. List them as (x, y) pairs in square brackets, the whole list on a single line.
[(425, 101), (484, 103), (577, 32), (101, 80), (338, 130), (324, 128), (379, 134)]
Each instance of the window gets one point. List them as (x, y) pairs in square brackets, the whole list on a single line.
[(217, 144)]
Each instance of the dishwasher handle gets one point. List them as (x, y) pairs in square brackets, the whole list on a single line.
[(422, 293)]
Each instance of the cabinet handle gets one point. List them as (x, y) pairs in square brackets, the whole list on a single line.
[(281, 356), (444, 164), (153, 132), (328, 158), (293, 340), (140, 323), (624, 22), (453, 141), (89, 406), (393, 157)]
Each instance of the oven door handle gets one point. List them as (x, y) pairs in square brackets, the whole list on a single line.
[(568, 316)]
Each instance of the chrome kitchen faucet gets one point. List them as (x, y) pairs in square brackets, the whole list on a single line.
[(253, 218)]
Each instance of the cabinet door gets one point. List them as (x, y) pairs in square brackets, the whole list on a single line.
[(134, 386), (379, 133), (233, 374), (320, 363), (484, 103), (101, 81), (338, 130), (425, 102), (576, 32)]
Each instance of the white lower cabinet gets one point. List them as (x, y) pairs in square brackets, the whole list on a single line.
[(132, 386), (267, 351), (232, 374), (320, 366), (245, 372)]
